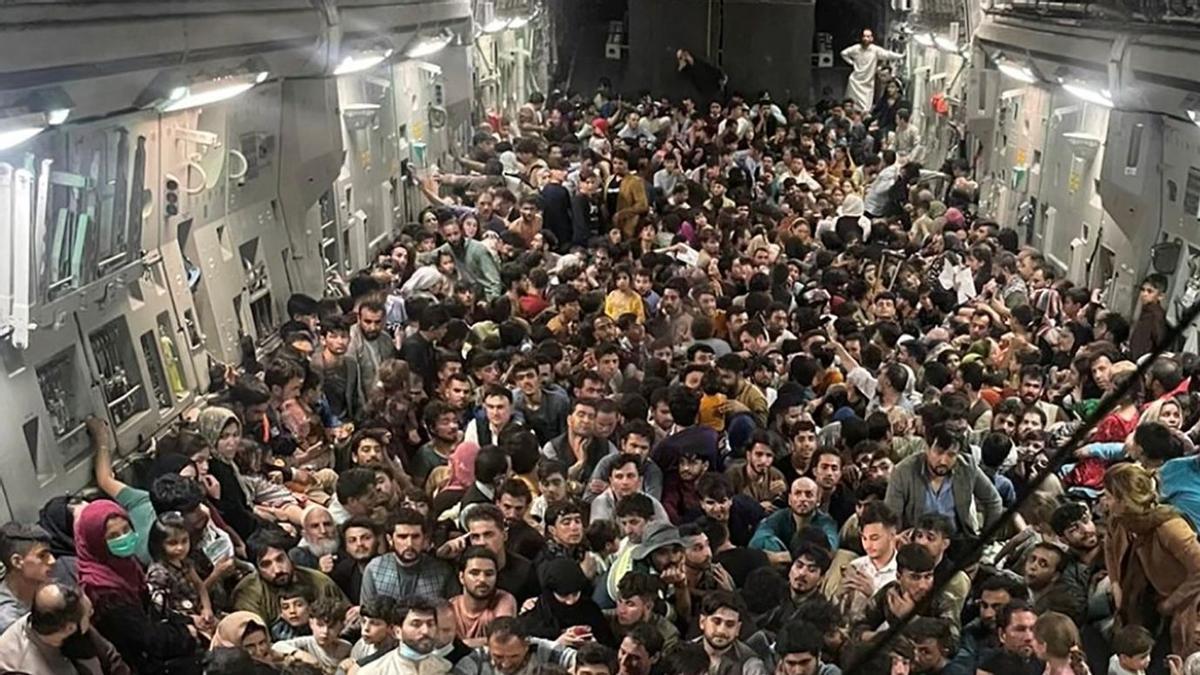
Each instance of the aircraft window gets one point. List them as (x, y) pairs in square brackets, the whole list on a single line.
[(120, 374), (1135, 146), (1191, 195), (158, 381)]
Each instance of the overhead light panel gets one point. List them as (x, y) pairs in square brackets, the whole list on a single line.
[(518, 22), (1194, 115), (57, 117), (429, 45), (946, 44), (18, 128), (355, 63), (924, 39), (1017, 72), (496, 25), (212, 91), (1083, 92)]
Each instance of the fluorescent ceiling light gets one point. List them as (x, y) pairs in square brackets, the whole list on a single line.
[(495, 25), (518, 22), (360, 62), (429, 46), (946, 44), (13, 138), (57, 117), (923, 39), (1017, 72), (1082, 92), (213, 91), (1195, 116), (360, 107)]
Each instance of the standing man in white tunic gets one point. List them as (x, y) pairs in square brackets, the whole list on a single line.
[(865, 57)]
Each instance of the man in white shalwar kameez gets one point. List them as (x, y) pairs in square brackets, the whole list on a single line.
[(865, 57)]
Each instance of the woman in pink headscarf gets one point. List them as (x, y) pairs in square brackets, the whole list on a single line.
[(113, 580), (462, 477)]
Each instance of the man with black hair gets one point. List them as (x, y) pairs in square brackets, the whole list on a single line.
[(731, 370), (338, 378), (370, 345), (738, 561), (409, 569), (640, 651), (980, 635), (636, 605), (720, 624), (416, 626), (895, 601), (806, 574), (699, 441), (275, 574), (356, 495), (625, 478), (25, 553), (545, 409), (511, 650), (579, 448), (420, 348), (934, 647), (1017, 653), (1151, 328), (798, 649), (481, 602), (944, 480), (485, 526)]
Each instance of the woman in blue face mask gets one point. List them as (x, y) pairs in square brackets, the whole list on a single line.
[(150, 640)]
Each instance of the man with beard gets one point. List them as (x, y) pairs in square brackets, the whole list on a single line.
[(480, 602), (720, 624), (933, 646), (731, 370), (333, 367), (640, 651), (415, 626), (944, 480), (510, 650), (275, 572), (805, 575), (485, 525), (776, 532), (895, 601), (318, 542), (755, 476), (408, 570), (56, 638), (475, 263), (370, 345), (980, 635), (1073, 524), (1015, 656), (441, 422), (359, 545), (1033, 386)]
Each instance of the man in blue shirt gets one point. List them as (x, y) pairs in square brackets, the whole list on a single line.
[(775, 533)]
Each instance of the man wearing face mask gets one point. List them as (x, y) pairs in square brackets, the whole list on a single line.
[(56, 638), (416, 627)]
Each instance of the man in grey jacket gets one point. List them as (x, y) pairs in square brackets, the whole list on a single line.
[(945, 480)]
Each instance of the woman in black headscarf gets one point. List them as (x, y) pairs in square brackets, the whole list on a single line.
[(57, 518), (566, 603)]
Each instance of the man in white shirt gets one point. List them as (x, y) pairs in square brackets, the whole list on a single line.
[(864, 58), (871, 572)]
